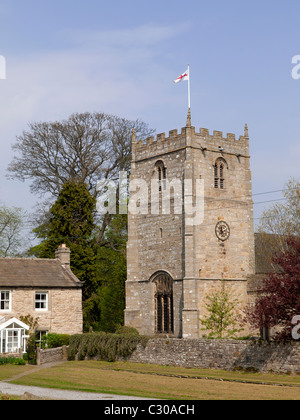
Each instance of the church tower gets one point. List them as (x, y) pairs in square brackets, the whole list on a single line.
[(190, 227)]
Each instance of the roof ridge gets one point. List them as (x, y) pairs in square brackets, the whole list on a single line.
[(36, 272)]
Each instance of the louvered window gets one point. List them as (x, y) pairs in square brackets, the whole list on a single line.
[(219, 174), (162, 174)]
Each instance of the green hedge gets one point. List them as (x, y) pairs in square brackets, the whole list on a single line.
[(12, 361), (105, 346)]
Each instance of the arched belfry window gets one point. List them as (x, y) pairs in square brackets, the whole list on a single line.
[(161, 174), (164, 313), (219, 173)]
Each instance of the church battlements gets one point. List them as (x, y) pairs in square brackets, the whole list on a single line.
[(202, 139)]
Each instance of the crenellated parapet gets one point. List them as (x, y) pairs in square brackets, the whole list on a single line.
[(203, 139)]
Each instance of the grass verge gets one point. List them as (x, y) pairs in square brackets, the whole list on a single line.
[(164, 382), (9, 371)]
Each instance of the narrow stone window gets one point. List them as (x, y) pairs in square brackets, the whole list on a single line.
[(162, 174), (219, 174), (164, 304)]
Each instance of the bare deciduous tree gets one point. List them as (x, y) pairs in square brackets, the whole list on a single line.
[(11, 223), (87, 147), (84, 148), (280, 222)]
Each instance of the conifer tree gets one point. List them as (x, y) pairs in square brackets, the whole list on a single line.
[(104, 310), (72, 223)]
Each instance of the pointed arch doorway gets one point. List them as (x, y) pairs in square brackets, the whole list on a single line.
[(164, 310)]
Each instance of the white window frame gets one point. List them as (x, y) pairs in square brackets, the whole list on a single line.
[(5, 300), (13, 332), (41, 301)]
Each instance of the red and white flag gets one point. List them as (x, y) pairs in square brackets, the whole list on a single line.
[(184, 76)]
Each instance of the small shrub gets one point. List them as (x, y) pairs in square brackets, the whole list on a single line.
[(31, 349), (251, 369), (238, 369), (122, 329), (52, 341), (12, 361), (5, 397)]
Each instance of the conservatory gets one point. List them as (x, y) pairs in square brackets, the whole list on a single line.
[(13, 335)]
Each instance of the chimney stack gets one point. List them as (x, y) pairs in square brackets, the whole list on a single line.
[(63, 254)]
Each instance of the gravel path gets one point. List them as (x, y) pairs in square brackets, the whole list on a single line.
[(57, 394)]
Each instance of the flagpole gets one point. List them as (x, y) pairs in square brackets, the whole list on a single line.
[(189, 88)]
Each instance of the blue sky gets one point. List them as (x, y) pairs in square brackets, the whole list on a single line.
[(121, 57)]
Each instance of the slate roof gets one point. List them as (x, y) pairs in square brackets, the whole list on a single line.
[(266, 246), (47, 273)]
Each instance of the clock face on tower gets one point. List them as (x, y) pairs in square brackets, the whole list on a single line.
[(222, 231)]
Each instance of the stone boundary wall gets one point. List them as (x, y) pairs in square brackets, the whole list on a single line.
[(51, 355), (206, 354), (221, 354)]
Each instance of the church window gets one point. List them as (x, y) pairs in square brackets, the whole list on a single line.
[(219, 174), (164, 304), (162, 174)]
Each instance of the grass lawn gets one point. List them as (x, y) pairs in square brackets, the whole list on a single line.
[(8, 371), (164, 382)]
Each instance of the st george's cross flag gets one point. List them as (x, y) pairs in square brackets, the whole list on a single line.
[(184, 76)]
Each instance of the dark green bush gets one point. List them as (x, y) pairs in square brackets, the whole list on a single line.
[(104, 346), (127, 330), (12, 361)]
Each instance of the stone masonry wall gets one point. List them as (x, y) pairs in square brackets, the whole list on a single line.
[(58, 354), (220, 354), (64, 315)]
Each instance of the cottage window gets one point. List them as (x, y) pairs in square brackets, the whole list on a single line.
[(41, 301), (5, 300)]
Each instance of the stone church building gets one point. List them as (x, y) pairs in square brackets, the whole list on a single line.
[(173, 263)]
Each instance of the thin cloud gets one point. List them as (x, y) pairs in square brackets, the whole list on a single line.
[(109, 71), (47, 85), (143, 35)]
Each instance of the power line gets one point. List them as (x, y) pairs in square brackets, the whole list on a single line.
[(31, 226)]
